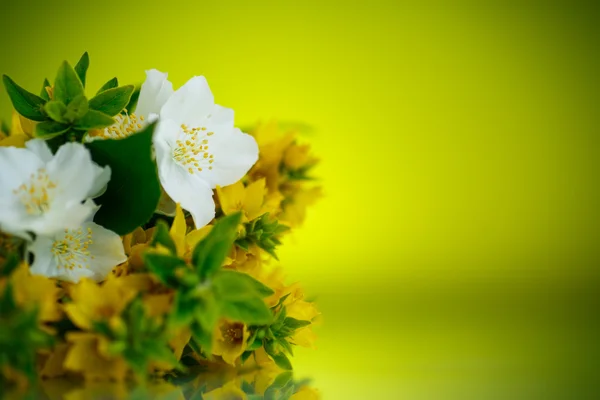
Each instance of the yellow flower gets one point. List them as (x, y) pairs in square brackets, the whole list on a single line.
[(94, 302), (306, 393), (230, 391), (229, 340), (86, 356), (184, 241), (298, 156), (36, 290), (297, 200), (250, 200), (297, 307), (21, 131)]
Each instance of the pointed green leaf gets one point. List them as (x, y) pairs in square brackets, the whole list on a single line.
[(282, 361), (238, 285), (132, 105), (209, 254), (27, 104), (44, 93), (251, 311), (56, 110), (112, 101), (67, 85), (113, 83), (50, 129), (94, 120), (164, 267), (294, 323), (4, 127), (82, 67), (162, 237), (77, 109), (133, 191)]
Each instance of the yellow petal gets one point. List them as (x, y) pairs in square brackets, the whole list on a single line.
[(254, 199), (13, 140), (231, 197), (178, 230)]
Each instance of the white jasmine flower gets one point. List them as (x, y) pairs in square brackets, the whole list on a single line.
[(45, 193), (198, 148), (154, 93), (89, 251)]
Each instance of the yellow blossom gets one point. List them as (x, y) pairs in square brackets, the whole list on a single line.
[(229, 340), (95, 302), (36, 290), (85, 356), (230, 391), (251, 200), (306, 393), (184, 241)]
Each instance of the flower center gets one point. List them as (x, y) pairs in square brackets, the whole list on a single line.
[(125, 125), (233, 333), (36, 195), (191, 151), (72, 251)]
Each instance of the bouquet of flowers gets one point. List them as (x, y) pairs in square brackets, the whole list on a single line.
[(138, 229)]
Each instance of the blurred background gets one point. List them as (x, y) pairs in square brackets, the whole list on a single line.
[(456, 253)]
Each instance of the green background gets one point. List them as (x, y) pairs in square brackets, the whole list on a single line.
[(456, 253)]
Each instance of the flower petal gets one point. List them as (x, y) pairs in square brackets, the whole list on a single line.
[(191, 103), (154, 93), (234, 153), (107, 250), (40, 148)]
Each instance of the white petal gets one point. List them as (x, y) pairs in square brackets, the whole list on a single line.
[(44, 262), (107, 249), (189, 191), (100, 181), (190, 104), (71, 170), (154, 93), (40, 148), (16, 167), (234, 153)]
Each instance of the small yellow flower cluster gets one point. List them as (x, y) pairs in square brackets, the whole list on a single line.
[(125, 326)]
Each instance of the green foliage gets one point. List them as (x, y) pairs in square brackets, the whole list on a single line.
[(133, 191), (50, 129), (113, 83), (140, 340), (56, 110), (67, 84), (210, 253), (82, 66), (94, 120), (131, 106), (264, 232), (11, 262), (27, 104), (44, 93), (112, 101), (20, 336), (162, 237)]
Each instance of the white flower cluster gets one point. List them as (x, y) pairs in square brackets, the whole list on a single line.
[(47, 198)]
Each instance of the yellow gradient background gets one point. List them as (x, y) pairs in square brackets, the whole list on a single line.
[(456, 252)]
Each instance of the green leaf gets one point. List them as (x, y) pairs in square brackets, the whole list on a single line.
[(132, 105), (77, 109), (202, 337), (209, 254), (251, 311), (82, 66), (112, 101), (164, 267), (233, 285), (133, 191), (4, 127), (162, 237), (282, 361), (44, 93), (113, 83), (27, 104), (11, 262), (294, 323), (208, 312), (94, 120), (56, 110), (50, 129), (67, 85)]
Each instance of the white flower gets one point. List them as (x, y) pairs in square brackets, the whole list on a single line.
[(154, 93), (44, 193), (198, 148), (90, 251), (196, 144)]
